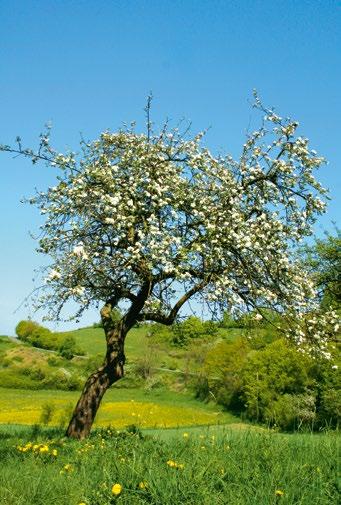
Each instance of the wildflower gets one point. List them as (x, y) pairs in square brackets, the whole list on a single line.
[(143, 484), (43, 448), (173, 464), (82, 503), (54, 452), (66, 469), (116, 489), (185, 435), (279, 492)]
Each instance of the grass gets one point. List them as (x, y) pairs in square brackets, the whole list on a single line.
[(92, 341), (192, 467), (119, 408)]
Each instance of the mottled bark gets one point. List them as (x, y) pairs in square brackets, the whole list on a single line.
[(97, 384)]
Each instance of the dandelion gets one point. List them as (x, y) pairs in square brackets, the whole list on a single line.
[(66, 468), (43, 448), (173, 464), (116, 489), (279, 492), (143, 484), (54, 452)]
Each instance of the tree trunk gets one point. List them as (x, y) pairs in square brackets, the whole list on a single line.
[(97, 384)]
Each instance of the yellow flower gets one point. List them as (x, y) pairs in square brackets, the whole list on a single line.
[(185, 435), (54, 452), (44, 448), (143, 484), (82, 503), (279, 492), (67, 468), (116, 489), (171, 463), (181, 466)]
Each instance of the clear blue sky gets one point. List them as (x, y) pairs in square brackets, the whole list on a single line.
[(89, 65)]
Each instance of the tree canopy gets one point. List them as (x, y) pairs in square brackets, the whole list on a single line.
[(159, 209), (155, 220)]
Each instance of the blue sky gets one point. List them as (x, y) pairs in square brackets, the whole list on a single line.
[(89, 65)]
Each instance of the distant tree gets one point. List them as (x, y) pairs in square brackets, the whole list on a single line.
[(156, 220), (323, 260)]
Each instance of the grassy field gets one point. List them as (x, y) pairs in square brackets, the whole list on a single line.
[(119, 408), (166, 467)]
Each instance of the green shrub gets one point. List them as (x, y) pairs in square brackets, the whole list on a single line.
[(42, 338), (11, 379), (54, 360), (192, 328), (291, 412), (47, 411), (25, 328), (276, 370), (67, 347)]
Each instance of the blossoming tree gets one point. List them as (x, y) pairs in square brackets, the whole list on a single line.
[(154, 220)]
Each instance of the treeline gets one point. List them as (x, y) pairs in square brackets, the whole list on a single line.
[(251, 369), (271, 382), (41, 337)]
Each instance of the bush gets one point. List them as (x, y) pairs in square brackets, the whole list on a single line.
[(47, 411), (223, 367), (67, 348), (192, 328), (291, 412), (42, 337), (276, 370), (25, 328)]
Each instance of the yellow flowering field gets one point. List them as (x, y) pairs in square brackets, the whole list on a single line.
[(18, 407)]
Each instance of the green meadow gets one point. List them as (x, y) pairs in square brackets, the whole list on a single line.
[(153, 441), (197, 466)]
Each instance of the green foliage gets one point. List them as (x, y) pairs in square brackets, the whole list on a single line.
[(43, 338), (47, 412), (67, 348), (269, 381), (223, 366), (323, 259), (192, 328), (269, 373), (25, 328)]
